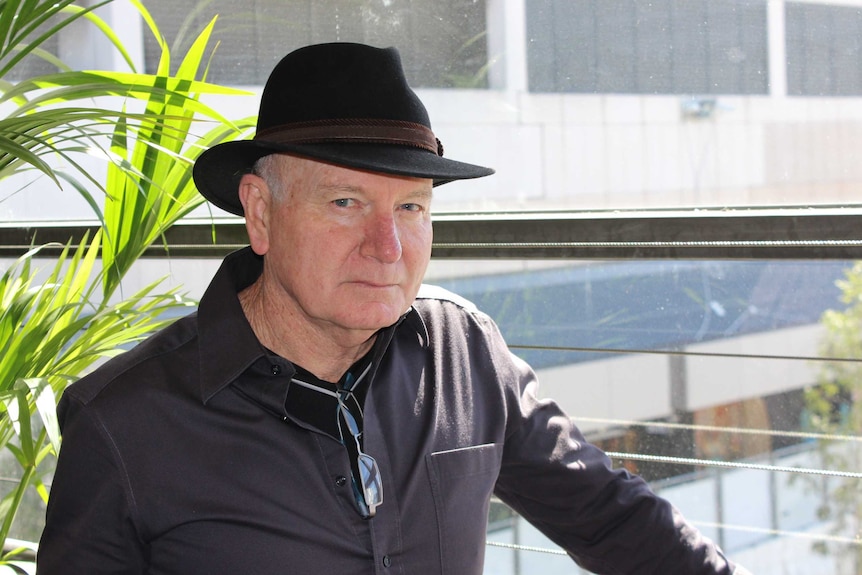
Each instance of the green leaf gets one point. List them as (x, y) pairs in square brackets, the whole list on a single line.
[(46, 404), (25, 19)]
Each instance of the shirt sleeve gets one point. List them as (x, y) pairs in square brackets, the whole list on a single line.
[(608, 520), (89, 524)]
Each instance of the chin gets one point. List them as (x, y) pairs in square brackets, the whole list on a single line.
[(376, 316)]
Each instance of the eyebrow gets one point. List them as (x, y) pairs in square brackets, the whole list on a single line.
[(423, 193), (334, 188)]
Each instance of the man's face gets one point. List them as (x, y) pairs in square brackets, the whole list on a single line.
[(346, 250)]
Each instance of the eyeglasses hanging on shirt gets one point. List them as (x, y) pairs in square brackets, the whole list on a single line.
[(366, 480)]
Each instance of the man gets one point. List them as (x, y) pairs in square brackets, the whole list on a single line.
[(321, 413)]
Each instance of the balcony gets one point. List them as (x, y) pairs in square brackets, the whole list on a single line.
[(681, 344)]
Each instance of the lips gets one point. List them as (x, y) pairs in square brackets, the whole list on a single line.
[(374, 285)]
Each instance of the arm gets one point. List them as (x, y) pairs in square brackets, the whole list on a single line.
[(89, 526), (608, 520)]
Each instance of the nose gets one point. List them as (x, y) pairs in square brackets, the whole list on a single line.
[(382, 239)]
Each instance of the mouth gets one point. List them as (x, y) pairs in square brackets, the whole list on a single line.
[(374, 285)]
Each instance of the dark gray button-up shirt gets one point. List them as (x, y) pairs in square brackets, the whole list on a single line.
[(179, 457)]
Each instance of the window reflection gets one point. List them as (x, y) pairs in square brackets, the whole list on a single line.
[(704, 377), (442, 43)]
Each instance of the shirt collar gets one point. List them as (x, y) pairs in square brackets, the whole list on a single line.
[(228, 345)]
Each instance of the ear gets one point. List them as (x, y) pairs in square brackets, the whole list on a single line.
[(256, 200)]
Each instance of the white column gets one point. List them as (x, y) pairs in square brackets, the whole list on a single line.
[(507, 45), (776, 32)]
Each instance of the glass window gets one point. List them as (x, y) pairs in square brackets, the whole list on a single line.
[(442, 43), (726, 381), (710, 378), (823, 49), (578, 105), (658, 47)]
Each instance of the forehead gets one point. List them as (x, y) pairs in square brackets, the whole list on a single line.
[(311, 175)]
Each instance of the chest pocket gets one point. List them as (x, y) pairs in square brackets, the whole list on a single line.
[(462, 481)]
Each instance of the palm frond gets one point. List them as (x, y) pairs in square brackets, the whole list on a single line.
[(58, 323), (19, 19), (153, 188)]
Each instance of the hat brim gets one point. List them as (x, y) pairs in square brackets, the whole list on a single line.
[(218, 170)]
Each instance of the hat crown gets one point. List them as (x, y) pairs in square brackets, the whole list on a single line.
[(339, 81)]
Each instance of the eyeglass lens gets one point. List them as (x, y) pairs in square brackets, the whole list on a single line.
[(369, 473)]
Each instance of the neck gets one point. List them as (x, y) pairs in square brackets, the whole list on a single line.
[(324, 351)]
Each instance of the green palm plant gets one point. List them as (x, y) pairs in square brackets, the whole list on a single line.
[(56, 324), (151, 184), (148, 186), (51, 330), (29, 133)]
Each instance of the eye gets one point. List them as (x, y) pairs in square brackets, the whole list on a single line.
[(412, 207), (343, 202)]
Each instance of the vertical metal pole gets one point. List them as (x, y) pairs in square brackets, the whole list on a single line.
[(719, 507), (516, 539)]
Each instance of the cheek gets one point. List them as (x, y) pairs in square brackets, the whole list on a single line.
[(425, 240), (299, 257), (325, 254), (417, 251)]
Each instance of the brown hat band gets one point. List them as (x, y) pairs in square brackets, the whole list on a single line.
[(354, 131)]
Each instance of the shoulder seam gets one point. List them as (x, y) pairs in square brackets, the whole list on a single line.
[(434, 292)]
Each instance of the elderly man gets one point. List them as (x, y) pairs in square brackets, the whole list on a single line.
[(322, 412)]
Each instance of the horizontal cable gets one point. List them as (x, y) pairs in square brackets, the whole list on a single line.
[(733, 464), (739, 430), (515, 547), (217, 249), (800, 232), (725, 526), (548, 245), (681, 352), (652, 244), (779, 533)]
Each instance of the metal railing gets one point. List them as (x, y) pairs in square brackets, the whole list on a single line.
[(822, 232)]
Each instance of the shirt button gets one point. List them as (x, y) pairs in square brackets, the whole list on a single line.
[(387, 561), (341, 481), (276, 369)]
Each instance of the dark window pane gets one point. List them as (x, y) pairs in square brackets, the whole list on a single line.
[(658, 47), (823, 49)]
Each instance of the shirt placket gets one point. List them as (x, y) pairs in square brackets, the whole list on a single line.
[(385, 527), (267, 383)]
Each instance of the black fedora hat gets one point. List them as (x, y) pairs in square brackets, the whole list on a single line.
[(342, 103)]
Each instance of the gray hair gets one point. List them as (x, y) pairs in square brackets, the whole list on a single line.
[(271, 170)]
